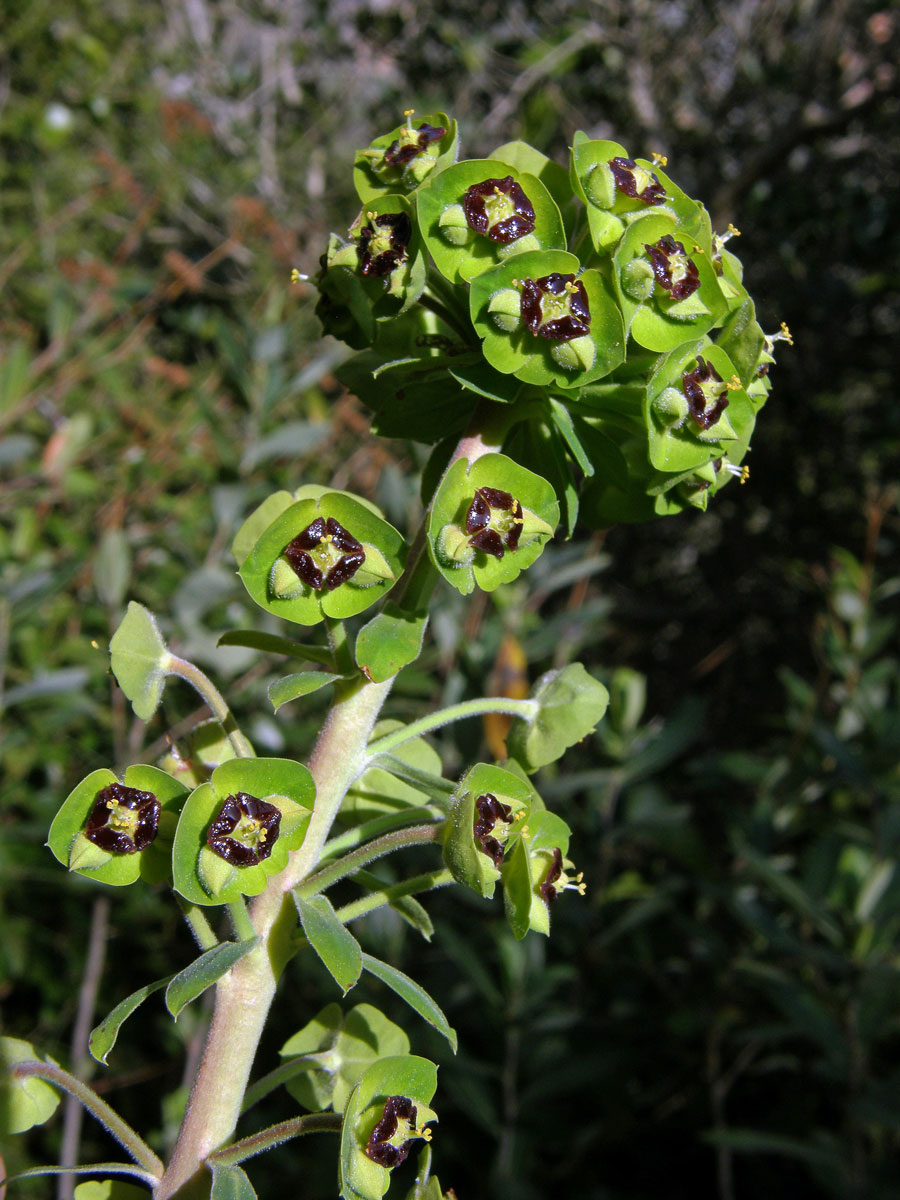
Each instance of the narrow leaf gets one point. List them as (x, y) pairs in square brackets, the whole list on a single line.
[(562, 419), (203, 972), (332, 941), (272, 644), (103, 1036), (414, 995), (405, 906), (292, 687)]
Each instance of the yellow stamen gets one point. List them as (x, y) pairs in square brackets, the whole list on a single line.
[(659, 160), (733, 230), (571, 286), (734, 384), (295, 276), (787, 333), (408, 112), (745, 473), (95, 643)]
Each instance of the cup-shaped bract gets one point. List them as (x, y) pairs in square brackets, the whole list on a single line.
[(487, 812), (546, 321), (666, 283), (399, 161), (238, 829), (489, 520), (344, 1045), (695, 409), (117, 830), (329, 555), (385, 1114), (535, 871), (374, 275), (481, 212)]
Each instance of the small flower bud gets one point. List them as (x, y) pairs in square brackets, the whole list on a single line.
[(638, 279), (600, 185), (505, 308), (576, 355), (454, 226), (670, 408)]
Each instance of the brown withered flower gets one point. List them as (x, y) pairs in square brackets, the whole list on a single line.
[(245, 830), (499, 209), (637, 182), (404, 149), (489, 810), (706, 393), (383, 242), (324, 554), (494, 521), (123, 819), (674, 271), (555, 307)]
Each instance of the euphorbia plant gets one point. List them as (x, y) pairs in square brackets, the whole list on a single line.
[(578, 348)]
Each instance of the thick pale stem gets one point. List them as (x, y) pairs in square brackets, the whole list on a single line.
[(244, 995)]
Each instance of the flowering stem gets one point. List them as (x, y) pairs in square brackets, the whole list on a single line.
[(274, 1136), (391, 892), (214, 700), (284, 1073), (198, 923), (130, 1141), (370, 829), (351, 862), (240, 920), (527, 709)]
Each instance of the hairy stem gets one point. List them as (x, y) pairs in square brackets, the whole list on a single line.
[(215, 701), (398, 840), (526, 709), (275, 1135), (394, 891), (127, 1138)]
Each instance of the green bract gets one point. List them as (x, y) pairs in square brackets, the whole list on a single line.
[(27, 1101), (202, 876), (655, 320), (570, 703), (381, 168), (535, 865), (374, 275), (378, 792), (73, 849), (487, 812), (277, 587), (402, 1076), (459, 251), (344, 1046), (512, 348), (453, 541)]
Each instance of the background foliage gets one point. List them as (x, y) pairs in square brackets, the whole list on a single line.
[(720, 1015)]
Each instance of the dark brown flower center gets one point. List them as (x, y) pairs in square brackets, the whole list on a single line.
[(705, 392), (499, 209), (489, 811), (245, 830), (325, 555), (389, 1143), (494, 521), (556, 307), (547, 889), (637, 182), (383, 242), (123, 819), (673, 269), (412, 143)]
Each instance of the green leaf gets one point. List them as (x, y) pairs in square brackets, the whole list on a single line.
[(389, 642), (414, 995), (109, 1189), (571, 703), (292, 687), (350, 1044), (112, 567), (272, 644), (140, 658), (23, 1102), (103, 1036), (406, 907), (335, 945), (231, 1183), (562, 419), (203, 972)]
